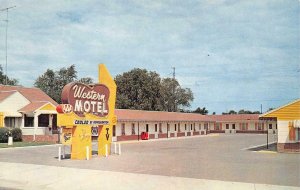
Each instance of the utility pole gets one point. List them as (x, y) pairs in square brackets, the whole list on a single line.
[(175, 107), (6, 9)]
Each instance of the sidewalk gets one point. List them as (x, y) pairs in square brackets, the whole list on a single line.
[(30, 176)]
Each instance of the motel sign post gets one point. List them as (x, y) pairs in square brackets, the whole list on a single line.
[(86, 106)]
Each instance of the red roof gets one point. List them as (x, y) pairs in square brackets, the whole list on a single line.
[(234, 117), (141, 115), (32, 107), (4, 95), (32, 94)]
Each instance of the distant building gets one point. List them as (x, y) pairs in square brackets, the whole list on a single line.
[(288, 121), (242, 123), (29, 109), (173, 124), (158, 124)]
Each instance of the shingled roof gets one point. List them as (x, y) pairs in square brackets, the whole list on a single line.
[(141, 115), (234, 117), (4, 95), (32, 94)]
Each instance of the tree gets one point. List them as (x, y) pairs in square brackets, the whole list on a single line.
[(242, 111), (138, 89), (52, 82), (6, 80), (202, 111), (173, 97), (86, 80), (145, 90), (231, 112)]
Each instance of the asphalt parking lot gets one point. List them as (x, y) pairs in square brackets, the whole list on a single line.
[(220, 157)]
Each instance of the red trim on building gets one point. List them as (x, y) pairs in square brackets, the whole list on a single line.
[(181, 134)]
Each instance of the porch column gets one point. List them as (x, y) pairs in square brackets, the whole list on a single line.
[(22, 121), (35, 125)]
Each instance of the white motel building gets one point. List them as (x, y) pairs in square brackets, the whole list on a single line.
[(34, 112)]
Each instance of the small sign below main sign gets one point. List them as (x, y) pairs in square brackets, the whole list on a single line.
[(90, 122)]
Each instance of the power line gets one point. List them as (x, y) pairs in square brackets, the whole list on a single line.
[(6, 9)]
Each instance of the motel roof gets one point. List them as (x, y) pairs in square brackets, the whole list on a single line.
[(234, 117), (290, 111), (32, 107), (4, 95), (141, 115), (32, 94)]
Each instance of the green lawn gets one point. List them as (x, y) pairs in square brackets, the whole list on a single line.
[(23, 144)]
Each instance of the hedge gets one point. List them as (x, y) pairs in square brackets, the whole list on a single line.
[(16, 133)]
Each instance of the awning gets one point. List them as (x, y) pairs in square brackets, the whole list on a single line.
[(12, 114)]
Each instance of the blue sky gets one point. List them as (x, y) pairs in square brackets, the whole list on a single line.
[(232, 54)]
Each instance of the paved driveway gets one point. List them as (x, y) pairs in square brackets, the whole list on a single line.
[(205, 157)]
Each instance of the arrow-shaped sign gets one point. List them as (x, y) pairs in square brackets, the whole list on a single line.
[(107, 134)]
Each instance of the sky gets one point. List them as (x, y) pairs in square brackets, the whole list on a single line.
[(232, 54)]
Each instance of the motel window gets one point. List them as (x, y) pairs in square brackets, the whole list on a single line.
[(217, 126), (205, 126), (227, 126), (147, 127), (199, 126), (298, 134), (43, 120), (233, 126), (114, 130), (123, 128), (160, 128), (10, 122), (244, 126), (155, 127), (175, 127), (259, 126), (191, 126), (270, 126), (276, 126), (29, 121), (185, 127), (132, 129)]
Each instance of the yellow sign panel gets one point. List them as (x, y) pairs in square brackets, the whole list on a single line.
[(66, 136), (1, 119), (85, 106)]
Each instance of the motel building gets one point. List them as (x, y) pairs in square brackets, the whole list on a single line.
[(34, 112), (242, 123), (288, 122), (29, 109), (131, 123)]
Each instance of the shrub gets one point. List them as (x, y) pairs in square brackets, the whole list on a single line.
[(16, 134), (3, 134)]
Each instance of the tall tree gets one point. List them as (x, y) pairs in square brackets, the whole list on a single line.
[(173, 97), (86, 80), (231, 112), (52, 82), (145, 90), (6, 80), (138, 89), (202, 111)]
